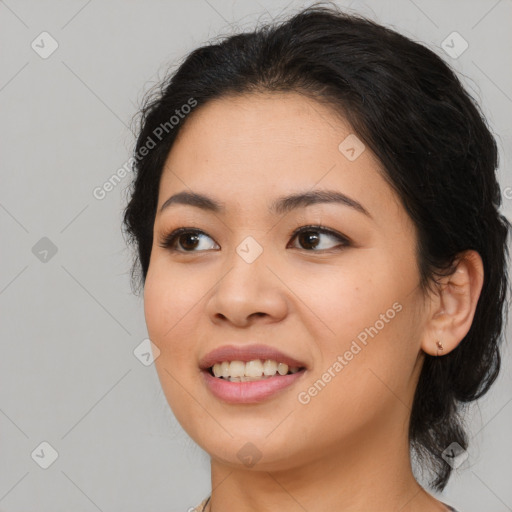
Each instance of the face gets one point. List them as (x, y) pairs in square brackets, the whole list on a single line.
[(329, 286)]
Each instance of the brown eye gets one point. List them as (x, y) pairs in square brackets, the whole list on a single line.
[(187, 239), (310, 238)]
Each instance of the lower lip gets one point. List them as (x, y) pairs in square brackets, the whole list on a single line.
[(249, 392)]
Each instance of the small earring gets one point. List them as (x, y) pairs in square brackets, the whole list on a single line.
[(439, 346)]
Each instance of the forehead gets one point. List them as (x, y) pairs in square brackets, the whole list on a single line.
[(250, 146), (278, 122)]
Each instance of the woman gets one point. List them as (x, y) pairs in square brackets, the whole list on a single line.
[(315, 212)]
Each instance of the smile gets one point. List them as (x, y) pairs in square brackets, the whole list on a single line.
[(248, 374)]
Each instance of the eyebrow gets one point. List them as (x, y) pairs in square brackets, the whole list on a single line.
[(279, 206)]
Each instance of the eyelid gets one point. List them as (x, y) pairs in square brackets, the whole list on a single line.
[(170, 239), (321, 229)]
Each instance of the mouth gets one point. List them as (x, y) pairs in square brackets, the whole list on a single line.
[(249, 374)]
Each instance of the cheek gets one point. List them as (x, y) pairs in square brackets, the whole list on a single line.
[(165, 311), (369, 310), (350, 297), (366, 365), (157, 311), (169, 301)]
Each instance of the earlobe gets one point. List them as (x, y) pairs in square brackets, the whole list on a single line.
[(454, 305)]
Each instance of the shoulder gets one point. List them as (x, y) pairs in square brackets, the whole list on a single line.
[(200, 507), (451, 509)]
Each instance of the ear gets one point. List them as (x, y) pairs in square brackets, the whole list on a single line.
[(453, 306)]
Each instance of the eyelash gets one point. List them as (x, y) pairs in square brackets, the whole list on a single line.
[(169, 240)]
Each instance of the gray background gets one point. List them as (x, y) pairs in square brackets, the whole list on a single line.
[(69, 321)]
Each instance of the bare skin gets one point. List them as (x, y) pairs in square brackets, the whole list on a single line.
[(345, 449)]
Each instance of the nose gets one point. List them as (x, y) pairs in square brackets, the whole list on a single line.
[(248, 290)]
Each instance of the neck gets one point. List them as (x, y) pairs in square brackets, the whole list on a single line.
[(369, 473)]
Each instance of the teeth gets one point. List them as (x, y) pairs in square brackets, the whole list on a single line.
[(224, 369), (282, 369), (269, 367), (254, 368), (238, 371)]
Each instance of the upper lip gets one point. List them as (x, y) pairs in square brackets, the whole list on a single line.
[(247, 353)]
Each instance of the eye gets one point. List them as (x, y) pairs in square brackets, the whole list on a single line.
[(309, 236), (188, 239)]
